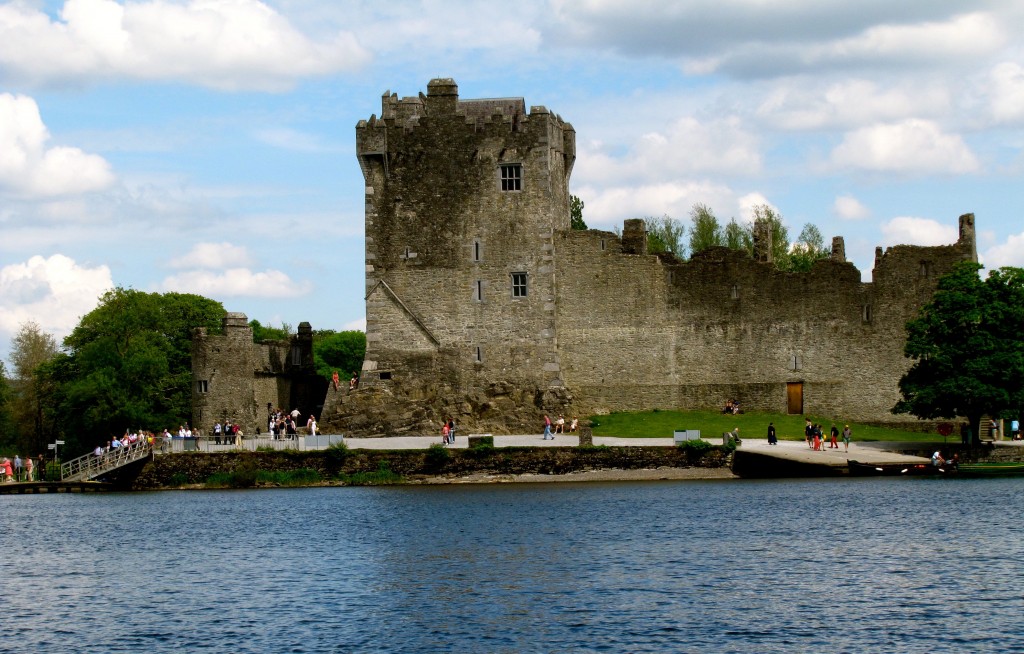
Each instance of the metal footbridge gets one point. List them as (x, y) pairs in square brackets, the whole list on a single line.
[(92, 466)]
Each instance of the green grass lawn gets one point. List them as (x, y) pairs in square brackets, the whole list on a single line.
[(653, 424)]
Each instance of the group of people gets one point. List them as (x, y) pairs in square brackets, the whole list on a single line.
[(230, 432), (448, 431), (732, 407), (22, 469), (558, 426), (814, 435)]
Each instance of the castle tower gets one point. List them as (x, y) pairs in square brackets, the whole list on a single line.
[(463, 198)]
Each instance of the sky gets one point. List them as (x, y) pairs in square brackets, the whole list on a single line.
[(207, 146)]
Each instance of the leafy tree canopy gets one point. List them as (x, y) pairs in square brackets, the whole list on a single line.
[(128, 365), (31, 347), (967, 348), (268, 333), (341, 351), (576, 212), (665, 234), (705, 231)]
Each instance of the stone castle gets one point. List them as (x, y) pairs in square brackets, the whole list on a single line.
[(483, 305), (236, 380)]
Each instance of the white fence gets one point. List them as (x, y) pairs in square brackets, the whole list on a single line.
[(250, 443)]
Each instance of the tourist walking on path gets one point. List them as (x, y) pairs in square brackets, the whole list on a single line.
[(547, 428), (809, 433), (846, 437), (444, 432), (835, 437), (772, 440)]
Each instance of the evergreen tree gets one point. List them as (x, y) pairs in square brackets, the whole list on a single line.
[(576, 213), (705, 231)]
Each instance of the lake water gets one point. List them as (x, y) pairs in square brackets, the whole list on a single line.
[(902, 565)]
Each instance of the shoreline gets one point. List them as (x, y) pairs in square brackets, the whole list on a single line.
[(602, 475)]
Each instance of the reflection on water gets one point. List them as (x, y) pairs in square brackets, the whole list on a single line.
[(818, 565)]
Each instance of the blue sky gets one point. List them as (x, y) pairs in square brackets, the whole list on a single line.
[(207, 146)]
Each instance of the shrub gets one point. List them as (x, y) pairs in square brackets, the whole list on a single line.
[(178, 479), (337, 454), (437, 456)]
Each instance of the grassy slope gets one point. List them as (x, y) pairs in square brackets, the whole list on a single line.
[(651, 424)]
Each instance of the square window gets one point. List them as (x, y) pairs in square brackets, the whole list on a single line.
[(511, 177), (518, 284), (203, 386)]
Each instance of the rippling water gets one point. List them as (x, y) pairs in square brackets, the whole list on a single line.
[(819, 566)]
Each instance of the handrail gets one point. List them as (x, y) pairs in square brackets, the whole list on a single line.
[(91, 466)]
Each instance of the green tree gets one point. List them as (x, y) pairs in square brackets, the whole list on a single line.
[(665, 234), (705, 232), (967, 348), (128, 364), (341, 351), (809, 247), (261, 333), (576, 212), (780, 235), (739, 237), (31, 347), (8, 429)]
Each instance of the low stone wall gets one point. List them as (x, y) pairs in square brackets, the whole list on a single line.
[(173, 471)]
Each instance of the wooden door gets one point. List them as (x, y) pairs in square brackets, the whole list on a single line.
[(795, 397)]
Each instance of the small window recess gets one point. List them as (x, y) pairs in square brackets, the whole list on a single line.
[(865, 313), (796, 362), (735, 293), (479, 354), (602, 245), (478, 291), (519, 284), (477, 250), (203, 386), (511, 177), (925, 269), (384, 376)]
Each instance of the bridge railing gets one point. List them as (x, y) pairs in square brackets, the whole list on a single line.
[(90, 465)]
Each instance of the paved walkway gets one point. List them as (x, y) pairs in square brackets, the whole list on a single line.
[(519, 440), (863, 452)]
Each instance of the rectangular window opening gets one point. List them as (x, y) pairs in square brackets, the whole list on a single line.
[(203, 386), (476, 250), (518, 284), (478, 291), (479, 354), (511, 177), (865, 313), (384, 376)]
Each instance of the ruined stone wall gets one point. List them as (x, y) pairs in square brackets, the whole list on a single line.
[(636, 332), (235, 379)]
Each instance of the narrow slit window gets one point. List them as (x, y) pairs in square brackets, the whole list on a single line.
[(865, 313), (511, 177), (477, 251), (519, 284), (479, 354)]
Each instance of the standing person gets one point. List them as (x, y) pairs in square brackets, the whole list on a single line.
[(311, 425), (17, 468), (772, 439), (451, 430), (42, 468), (808, 433), (444, 431), (993, 430), (8, 470), (335, 379), (835, 437), (846, 437), (547, 428), (216, 433), (816, 434), (28, 468)]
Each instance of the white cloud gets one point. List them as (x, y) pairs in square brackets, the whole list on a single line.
[(607, 207), (1006, 93), (213, 256), (1010, 253), (224, 44), (848, 207), (291, 139), (912, 146), (358, 324), (804, 105), (689, 147), (54, 292), (236, 282), (29, 168), (908, 230)]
